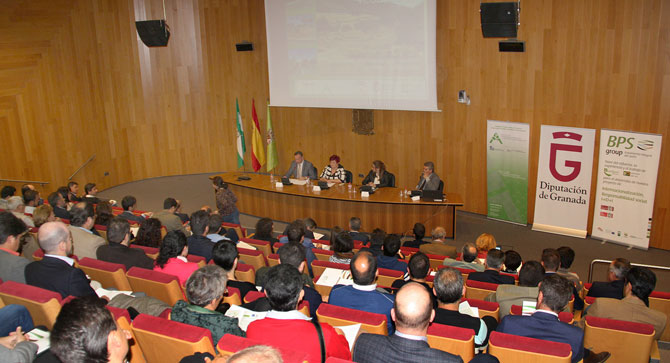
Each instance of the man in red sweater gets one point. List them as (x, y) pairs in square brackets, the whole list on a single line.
[(284, 326)]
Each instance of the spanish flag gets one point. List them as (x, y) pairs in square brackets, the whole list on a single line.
[(257, 151)]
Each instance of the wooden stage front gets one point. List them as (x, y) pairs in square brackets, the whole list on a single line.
[(387, 208)]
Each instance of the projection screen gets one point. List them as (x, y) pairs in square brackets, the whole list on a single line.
[(358, 54)]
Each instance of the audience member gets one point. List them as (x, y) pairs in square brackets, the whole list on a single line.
[(389, 257), (63, 191), (507, 295), (31, 200), (450, 289), (168, 218), (6, 192), (103, 213), (198, 243), (485, 242), (264, 228), (13, 316), (439, 245), (468, 259), (172, 257), (56, 271), (551, 261), (494, 262), (58, 204), (204, 291), (182, 216), (310, 226), (12, 265), (225, 255), (512, 262), (412, 314), (295, 232), (355, 231), (417, 269), (342, 247), (613, 288), (291, 254), (149, 233), (639, 282), (17, 207), (85, 242), (14, 344), (118, 250), (73, 190), (256, 354), (218, 233), (85, 331), (419, 231), (128, 204), (363, 294), (284, 326), (555, 292), (91, 191), (567, 255), (225, 201), (376, 242)]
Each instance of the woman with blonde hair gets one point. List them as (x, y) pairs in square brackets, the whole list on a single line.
[(485, 242)]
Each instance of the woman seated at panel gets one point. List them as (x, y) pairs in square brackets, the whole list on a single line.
[(204, 290), (378, 177), (172, 257), (334, 172)]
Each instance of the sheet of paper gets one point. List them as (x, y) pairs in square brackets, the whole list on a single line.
[(298, 181), (111, 293), (350, 332), (329, 277), (244, 316), (465, 308), (528, 307), (318, 235), (330, 185), (245, 245), (134, 230), (41, 338)]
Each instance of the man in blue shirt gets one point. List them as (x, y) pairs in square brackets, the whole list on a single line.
[(388, 258), (363, 294)]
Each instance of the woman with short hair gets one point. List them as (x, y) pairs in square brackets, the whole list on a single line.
[(333, 172)]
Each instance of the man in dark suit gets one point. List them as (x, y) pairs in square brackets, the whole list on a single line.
[(551, 261), (58, 203), (55, 271), (198, 243), (419, 231), (118, 250), (301, 168), (494, 263), (555, 292), (354, 231), (128, 203), (613, 287), (412, 313)]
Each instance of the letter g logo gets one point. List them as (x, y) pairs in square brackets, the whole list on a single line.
[(575, 165)]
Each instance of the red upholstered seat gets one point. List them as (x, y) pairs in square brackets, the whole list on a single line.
[(481, 285), (660, 295), (530, 345), (33, 229), (123, 320), (628, 326), (230, 344), (339, 316), (252, 257), (100, 227), (245, 272), (232, 296), (162, 286), (241, 231), (452, 339), (101, 265), (273, 259), (660, 301), (165, 340), (108, 274), (150, 251), (253, 296), (277, 245), (43, 305), (201, 261), (319, 266), (516, 277), (322, 255), (589, 300), (464, 271), (452, 332), (563, 316), (263, 246), (626, 341), (483, 305), (38, 254), (66, 221)]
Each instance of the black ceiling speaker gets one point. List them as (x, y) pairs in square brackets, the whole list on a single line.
[(154, 33), (499, 20)]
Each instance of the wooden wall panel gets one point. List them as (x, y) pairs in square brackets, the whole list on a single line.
[(82, 83)]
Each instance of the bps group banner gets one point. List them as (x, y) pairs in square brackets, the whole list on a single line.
[(564, 180), (627, 171), (507, 171)]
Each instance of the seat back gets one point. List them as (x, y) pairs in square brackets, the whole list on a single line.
[(441, 186), (232, 296), (479, 290), (319, 266), (254, 258), (123, 319), (273, 259), (391, 180), (263, 246), (246, 273), (563, 316), (625, 340), (241, 232), (387, 276), (102, 231), (162, 286), (303, 307), (164, 340), (230, 344), (322, 255), (149, 251), (660, 301), (106, 273), (452, 339), (43, 305), (486, 308), (435, 260), (201, 261), (38, 255), (339, 316), (515, 348)]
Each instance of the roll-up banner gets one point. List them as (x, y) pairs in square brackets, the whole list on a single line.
[(627, 171), (564, 180), (507, 171)]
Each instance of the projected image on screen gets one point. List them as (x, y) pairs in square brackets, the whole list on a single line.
[(371, 54)]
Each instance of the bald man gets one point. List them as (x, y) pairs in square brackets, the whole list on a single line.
[(363, 294), (412, 313)]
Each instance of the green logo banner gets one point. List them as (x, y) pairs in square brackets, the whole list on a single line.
[(507, 170)]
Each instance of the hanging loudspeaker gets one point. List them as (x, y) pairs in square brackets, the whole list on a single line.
[(154, 33)]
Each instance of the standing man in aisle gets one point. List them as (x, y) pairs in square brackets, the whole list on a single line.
[(428, 180), (301, 168)]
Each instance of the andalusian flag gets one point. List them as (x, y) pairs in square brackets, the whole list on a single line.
[(272, 146), (241, 147), (257, 152)]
